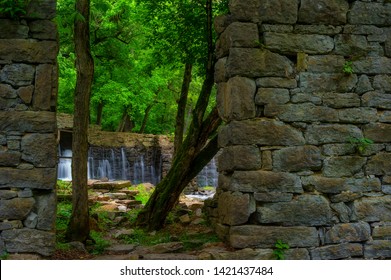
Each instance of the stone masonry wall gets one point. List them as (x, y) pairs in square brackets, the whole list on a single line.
[(28, 148), (295, 166)]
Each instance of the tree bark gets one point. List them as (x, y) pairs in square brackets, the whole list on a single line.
[(126, 124), (194, 153), (145, 119), (78, 227), (180, 116)]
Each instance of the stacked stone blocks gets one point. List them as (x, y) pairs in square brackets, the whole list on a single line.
[(292, 168), (28, 148)]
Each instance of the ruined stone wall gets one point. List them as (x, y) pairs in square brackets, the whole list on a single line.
[(28, 88), (302, 86)]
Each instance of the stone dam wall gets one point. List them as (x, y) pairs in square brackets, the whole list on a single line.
[(28, 89), (303, 86)]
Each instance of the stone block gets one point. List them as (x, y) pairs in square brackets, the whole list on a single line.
[(248, 236), (273, 197), (370, 13), (348, 44), (38, 178), (299, 97), (372, 65), (10, 158), (237, 35), (29, 241), (257, 63), (318, 29), (377, 100), (333, 12), (335, 252), (306, 210), (378, 249), (338, 149), (303, 112), (265, 181), (382, 232), (342, 211), (276, 82), (294, 43), (235, 208), (220, 70), (25, 193), (382, 83), (278, 11), (297, 159), (363, 85), (358, 115), (16, 208), (31, 220), (11, 29), (332, 133), (30, 51), (236, 99), (245, 11), (386, 189), (338, 185), (272, 96), (343, 166), (361, 29), (29, 121), (372, 209), (325, 82), (341, 100), (41, 9), (7, 92), (32, 151), (260, 131), (325, 63), (17, 74), (26, 94), (352, 232), (378, 132), (8, 194), (14, 224), (240, 158), (267, 160), (43, 30), (379, 164), (43, 87)]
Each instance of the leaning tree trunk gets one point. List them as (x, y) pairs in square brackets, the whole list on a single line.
[(195, 152), (180, 116), (78, 227)]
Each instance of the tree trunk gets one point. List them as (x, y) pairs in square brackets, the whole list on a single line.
[(194, 153), (126, 124), (180, 117), (78, 227), (145, 119), (99, 113)]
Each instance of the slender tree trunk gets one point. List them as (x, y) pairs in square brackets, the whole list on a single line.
[(126, 124), (99, 113), (78, 227), (195, 152), (145, 119), (180, 117)]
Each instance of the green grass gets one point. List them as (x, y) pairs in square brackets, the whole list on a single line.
[(143, 194)]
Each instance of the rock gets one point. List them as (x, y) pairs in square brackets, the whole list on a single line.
[(306, 210), (265, 96), (29, 241), (276, 82), (235, 208), (17, 256), (7, 92), (255, 63), (280, 11), (38, 178), (16, 208), (170, 256), (383, 231), (123, 232), (377, 100), (220, 73), (111, 185), (323, 12), (297, 159), (382, 83), (358, 115), (372, 209), (162, 248), (237, 35), (327, 82), (342, 211), (44, 9), (250, 236), (8, 194), (347, 44), (32, 150), (29, 121), (232, 158), (335, 252), (379, 164), (325, 63), (273, 197), (31, 220), (17, 74), (341, 100), (185, 219), (378, 132), (260, 132), (77, 246), (372, 65), (367, 13), (15, 224), (263, 181), (343, 166), (331, 133), (11, 29), (343, 233), (295, 43), (236, 99), (43, 29), (43, 87), (378, 249), (10, 158), (120, 249), (248, 11), (363, 85)]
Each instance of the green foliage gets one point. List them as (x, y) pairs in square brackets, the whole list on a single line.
[(13, 8), (361, 144), (279, 250), (64, 187), (144, 238), (100, 243), (143, 193), (348, 67)]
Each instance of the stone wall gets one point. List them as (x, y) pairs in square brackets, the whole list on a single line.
[(28, 88), (302, 86)]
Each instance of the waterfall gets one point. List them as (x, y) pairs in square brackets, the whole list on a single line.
[(208, 175), (65, 165)]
